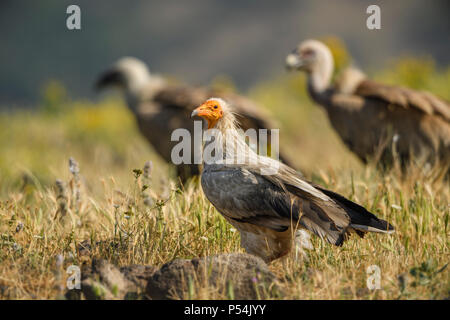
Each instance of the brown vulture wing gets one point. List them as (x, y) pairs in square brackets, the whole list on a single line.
[(248, 113), (405, 97), (157, 122)]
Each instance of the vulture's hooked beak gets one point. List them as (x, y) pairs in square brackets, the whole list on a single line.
[(194, 113), (108, 78), (200, 111), (210, 111), (293, 61)]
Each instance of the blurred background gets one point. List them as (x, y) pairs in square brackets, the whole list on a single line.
[(49, 110), (197, 40)]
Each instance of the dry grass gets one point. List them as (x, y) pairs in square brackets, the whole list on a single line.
[(184, 224), (150, 221)]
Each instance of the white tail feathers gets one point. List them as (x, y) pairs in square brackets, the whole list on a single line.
[(370, 229)]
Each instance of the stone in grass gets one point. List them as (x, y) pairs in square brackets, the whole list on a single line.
[(138, 274), (235, 275), (104, 281)]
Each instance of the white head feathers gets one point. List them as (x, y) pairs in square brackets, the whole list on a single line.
[(316, 60), (134, 71)]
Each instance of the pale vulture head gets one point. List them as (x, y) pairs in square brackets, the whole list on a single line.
[(310, 56), (127, 73)]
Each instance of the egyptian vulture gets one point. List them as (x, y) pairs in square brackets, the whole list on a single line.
[(376, 121), (160, 108), (267, 201)]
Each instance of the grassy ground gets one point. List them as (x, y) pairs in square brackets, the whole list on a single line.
[(148, 220)]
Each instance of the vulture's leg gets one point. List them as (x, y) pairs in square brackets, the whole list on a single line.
[(268, 247), (302, 242)]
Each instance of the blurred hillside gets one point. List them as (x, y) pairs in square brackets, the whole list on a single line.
[(197, 40)]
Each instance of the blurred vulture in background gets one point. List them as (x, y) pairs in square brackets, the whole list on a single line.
[(377, 122), (160, 108)]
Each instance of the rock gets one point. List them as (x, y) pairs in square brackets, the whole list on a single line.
[(138, 274), (104, 281), (236, 275), (173, 276), (9, 292)]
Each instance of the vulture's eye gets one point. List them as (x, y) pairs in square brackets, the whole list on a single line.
[(215, 107), (307, 52)]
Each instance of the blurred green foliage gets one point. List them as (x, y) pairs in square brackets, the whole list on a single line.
[(223, 83), (54, 97), (339, 51), (37, 144)]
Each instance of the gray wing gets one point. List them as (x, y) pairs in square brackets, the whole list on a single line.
[(244, 196)]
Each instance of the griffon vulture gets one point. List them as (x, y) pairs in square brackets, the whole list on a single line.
[(376, 121), (160, 108), (267, 201)]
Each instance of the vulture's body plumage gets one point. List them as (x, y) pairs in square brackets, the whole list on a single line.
[(160, 108), (268, 201), (377, 122)]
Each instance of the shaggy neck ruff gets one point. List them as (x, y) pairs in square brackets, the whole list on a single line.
[(320, 76), (231, 149)]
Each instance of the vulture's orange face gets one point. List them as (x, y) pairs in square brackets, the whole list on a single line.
[(211, 111)]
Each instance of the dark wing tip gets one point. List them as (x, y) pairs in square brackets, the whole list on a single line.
[(340, 240), (381, 225)]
